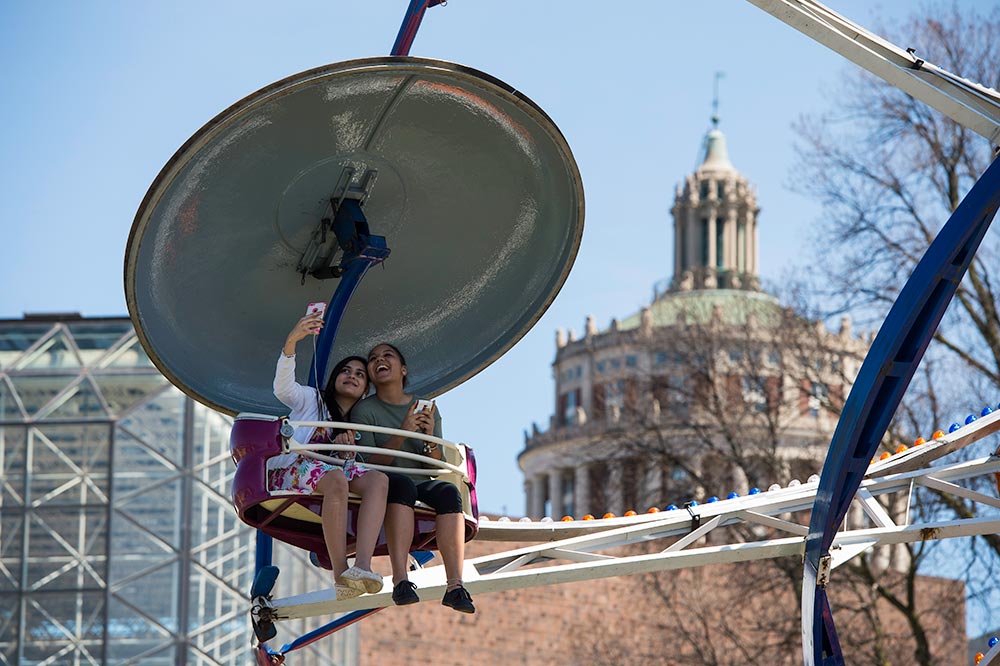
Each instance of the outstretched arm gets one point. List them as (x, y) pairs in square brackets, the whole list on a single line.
[(286, 389)]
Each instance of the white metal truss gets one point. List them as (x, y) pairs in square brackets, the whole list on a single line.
[(968, 103), (107, 498), (571, 551)]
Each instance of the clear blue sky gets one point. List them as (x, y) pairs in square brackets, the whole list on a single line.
[(99, 94)]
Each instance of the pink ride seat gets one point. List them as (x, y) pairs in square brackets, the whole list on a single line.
[(295, 519)]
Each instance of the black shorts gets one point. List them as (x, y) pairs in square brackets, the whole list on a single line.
[(441, 496)]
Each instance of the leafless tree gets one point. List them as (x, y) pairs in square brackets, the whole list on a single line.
[(744, 396)]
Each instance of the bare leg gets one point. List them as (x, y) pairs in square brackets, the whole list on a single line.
[(333, 486), (399, 538), (450, 535), (372, 487)]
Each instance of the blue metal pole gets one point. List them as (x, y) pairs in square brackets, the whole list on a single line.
[(355, 266), (411, 23), (877, 392), (263, 552)]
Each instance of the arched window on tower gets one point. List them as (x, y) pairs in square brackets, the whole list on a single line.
[(684, 259), (597, 409), (703, 238), (720, 244), (812, 397), (741, 247), (566, 410)]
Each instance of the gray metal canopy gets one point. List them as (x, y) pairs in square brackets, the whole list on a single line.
[(477, 194)]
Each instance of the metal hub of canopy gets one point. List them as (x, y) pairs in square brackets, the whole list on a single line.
[(473, 187)]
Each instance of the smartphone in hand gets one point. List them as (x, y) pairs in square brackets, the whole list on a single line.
[(316, 308), (423, 406)]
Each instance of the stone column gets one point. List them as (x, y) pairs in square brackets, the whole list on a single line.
[(731, 235), (581, 490), (537, 507), (555, 494)]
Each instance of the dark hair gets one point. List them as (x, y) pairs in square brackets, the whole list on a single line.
[(330, 392), (402, 359)]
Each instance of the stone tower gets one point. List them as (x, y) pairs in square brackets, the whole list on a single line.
[(647, 408), (715, 225)]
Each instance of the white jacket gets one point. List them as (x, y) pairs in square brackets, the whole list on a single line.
[(304, 401)]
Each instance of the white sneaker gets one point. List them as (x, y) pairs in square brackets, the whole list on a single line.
[(362, 580), (344, 592)]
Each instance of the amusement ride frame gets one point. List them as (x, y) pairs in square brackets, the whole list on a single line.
[(848, 475)]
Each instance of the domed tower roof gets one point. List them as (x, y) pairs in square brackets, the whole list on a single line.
[(716, 155)]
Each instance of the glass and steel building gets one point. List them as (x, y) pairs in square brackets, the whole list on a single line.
[(118, 540)]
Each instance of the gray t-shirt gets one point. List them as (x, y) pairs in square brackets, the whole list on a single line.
[(373, 411)]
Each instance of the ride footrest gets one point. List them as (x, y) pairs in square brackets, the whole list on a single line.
[(262, 613), (264, 581)]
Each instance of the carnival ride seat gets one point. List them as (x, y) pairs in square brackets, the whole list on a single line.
[(296, 519)]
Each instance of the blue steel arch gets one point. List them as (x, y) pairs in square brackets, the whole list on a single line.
[(882, 380)]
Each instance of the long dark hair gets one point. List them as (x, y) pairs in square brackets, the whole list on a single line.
[(402, 359), (330, 392)]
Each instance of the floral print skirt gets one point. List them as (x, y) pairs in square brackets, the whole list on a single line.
[(299, 474)]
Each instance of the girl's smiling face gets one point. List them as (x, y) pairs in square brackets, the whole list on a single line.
[(352, 380), (385, 366)]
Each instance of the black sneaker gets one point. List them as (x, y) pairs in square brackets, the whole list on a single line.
[(458, 599), (404, 593)]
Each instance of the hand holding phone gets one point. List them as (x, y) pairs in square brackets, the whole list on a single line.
[(424, 410), (318, 308)]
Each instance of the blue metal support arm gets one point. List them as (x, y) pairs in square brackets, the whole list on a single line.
[(411, 23), (361, 252), (877, 392), (263, 551)]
